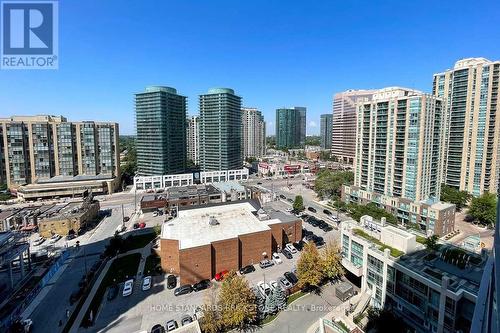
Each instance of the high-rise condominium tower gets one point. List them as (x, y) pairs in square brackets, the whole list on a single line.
[(344, 123), (399, 136), (254, 133), (193, 139), (44, 149), (472, 131), (290, 127), (161, 131), (325, 131), (220, 130)]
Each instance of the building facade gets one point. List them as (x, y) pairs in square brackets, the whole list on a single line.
[(325, 131), (290, 127), (220, 130), (48, 149), (193, 139), (399, 140), (344, 123), (472, 127), (431, 218), (160, 115), (254, 133), (431, 292)]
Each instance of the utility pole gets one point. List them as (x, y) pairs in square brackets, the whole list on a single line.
[(123, 217)]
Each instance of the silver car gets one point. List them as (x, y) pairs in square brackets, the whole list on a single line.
[(284, 283)]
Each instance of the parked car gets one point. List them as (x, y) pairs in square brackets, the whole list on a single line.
[(287, 254), (158, 329), (171, 325), (327, 212), (285, 284), (186, 319), (220, 276), (183, 290), (291, 248), (265, 263), (126, 219), (155, 213), (282, 196), (171, 281), (247, 269), (142, 225), (273, 284), (299, 245), (113, 292), (263, 288), (70, 236), (276, 258), (259, 183), (327, 228), (146, 283), (202, 285), (311, 209), (198, 313), (292, 278), (55, 238), (289, 200), (127, 287), (38, 241), (136, 225)]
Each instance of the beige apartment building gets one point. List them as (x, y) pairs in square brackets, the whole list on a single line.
[(472, 128), (399, 136), (45, 156)]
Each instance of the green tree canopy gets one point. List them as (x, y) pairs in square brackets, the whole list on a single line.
[(332, 261), (237, 302), (431, 243), (454, 196), (211, 322), (309, 268), (329, 183), (298, 204), (483, 208)]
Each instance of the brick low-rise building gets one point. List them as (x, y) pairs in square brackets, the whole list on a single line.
[(203, 241)]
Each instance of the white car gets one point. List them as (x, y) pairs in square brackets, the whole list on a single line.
[(291, 248), (38, 241), (264, 288), (289, 210), (55, 238), (273, 284), (285, 284), (276, 258), (198, 313), (127, 287), (155, 214), (146, 283)]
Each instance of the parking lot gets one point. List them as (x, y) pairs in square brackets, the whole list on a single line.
[(143, 309)]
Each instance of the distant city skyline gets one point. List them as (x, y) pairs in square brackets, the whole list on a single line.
[(125, 48)]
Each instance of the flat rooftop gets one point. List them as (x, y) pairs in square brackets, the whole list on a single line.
[(192, 228), (229, 186)]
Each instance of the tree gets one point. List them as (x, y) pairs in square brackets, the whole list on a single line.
[(260, 303), (454, 196), (431, 243), (328, 184), (157, 229), (332, 261), (313, 140), (211, 322), (271, 304), (280, 298), (298, 204), (483, 208), (309, 270), (237, 302)]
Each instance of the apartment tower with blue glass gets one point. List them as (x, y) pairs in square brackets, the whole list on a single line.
[(472, 126), (399, 137)]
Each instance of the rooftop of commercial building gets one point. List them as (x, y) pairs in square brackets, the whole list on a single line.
[(204, 225), (229, 186)]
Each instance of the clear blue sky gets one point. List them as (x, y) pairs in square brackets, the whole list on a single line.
[(273, 53)]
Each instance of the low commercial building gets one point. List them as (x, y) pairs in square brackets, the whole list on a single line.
[(431, 291), (67, 219), (202, 241), (432, 217), (232, 191)]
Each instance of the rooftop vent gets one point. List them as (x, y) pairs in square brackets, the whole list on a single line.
[(213, 221)]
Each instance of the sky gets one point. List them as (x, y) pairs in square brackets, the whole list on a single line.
[(272, 53)]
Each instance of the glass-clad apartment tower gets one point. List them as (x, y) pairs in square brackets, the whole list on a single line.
[(472, 127), (290, 127), (220, 130), (161, 131)]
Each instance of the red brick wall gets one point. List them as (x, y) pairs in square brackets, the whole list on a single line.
[(169, 254), (253, 245), (225, 255), (292, 231), (195, 264), (277, 236)]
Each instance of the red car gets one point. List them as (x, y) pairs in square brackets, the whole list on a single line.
[(142, 225), (220, 276)]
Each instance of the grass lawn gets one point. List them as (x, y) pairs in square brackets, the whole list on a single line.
[(421, 239), (120, 270), (394, 252)]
